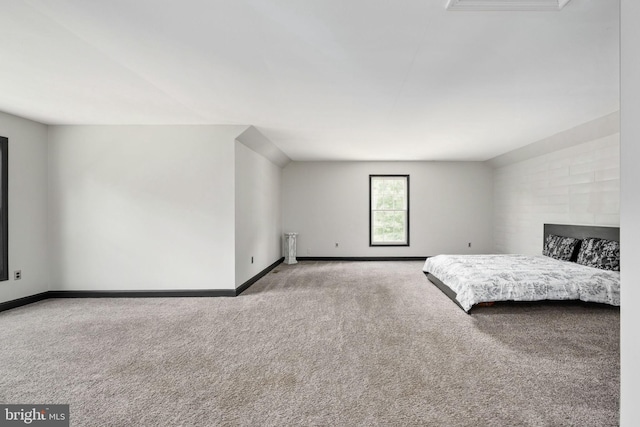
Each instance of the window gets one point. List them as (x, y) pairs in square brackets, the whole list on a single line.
[(4, 211), (388, 210)]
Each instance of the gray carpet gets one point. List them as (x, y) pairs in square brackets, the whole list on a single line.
[(317, 343)]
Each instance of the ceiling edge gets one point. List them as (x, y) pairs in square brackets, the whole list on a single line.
[(506, 5), (589, 131), (256, 141)]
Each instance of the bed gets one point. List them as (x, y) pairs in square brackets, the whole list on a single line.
[(580, 263)]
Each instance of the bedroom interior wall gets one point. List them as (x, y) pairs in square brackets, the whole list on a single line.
[(328, 203), (630, 212), (258, 213), (27, 207), (141, 207), (575, 185)]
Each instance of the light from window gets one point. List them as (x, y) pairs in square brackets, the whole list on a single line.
[(389, 210)]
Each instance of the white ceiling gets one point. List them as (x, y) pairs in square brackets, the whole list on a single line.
[(322, 79)]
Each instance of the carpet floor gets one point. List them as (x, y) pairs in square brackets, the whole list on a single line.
[(315, 344)]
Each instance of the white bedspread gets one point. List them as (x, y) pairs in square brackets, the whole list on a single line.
[(486, 278)]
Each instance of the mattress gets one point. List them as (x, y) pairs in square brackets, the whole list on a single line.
[(490, 278)]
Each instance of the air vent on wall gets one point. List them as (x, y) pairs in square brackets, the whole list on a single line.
[(513, 5)]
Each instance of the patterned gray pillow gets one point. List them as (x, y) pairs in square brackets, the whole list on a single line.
[(560, 247), (600, 253)]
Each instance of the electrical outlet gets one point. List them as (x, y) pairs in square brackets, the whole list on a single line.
[(336, 245), (469, 244), (17, 275), (251, 260)]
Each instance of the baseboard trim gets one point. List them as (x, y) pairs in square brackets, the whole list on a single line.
[(362, 258), (144, 294), (240, 289), (8, 305)]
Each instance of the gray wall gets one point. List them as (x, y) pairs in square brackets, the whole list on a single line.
[(258, 213), (27, 207), (328, 203), (141, 207)]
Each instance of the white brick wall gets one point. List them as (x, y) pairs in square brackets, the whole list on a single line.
[(575, 185)]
